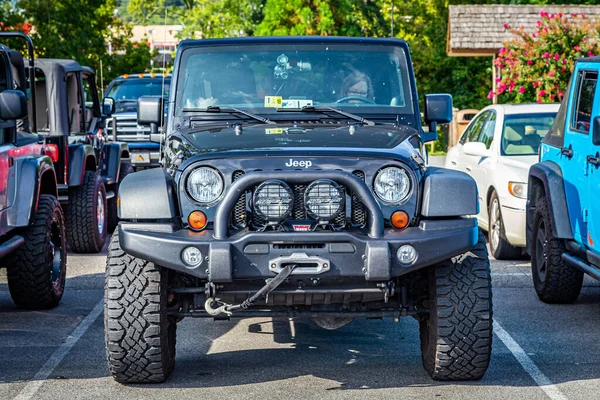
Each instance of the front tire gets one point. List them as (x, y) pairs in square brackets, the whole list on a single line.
[(553, 279), (86, 215), (36, 271), (456, 337), (500, 248), (139, 336)]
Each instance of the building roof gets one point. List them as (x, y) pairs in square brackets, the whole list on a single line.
[(157, 34), (478, 30)]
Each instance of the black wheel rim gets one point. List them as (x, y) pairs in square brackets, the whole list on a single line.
[(541, 255), (56, 254)]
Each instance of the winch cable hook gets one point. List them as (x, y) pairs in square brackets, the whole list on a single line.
[(227, 309)]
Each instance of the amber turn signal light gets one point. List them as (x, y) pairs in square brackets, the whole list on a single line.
[(399, 219), (197, 220)]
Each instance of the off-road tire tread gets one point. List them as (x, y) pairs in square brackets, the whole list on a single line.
[(112, 219), (140, 338), (456, 339), (563, 283), (29, 269), (81, 217)]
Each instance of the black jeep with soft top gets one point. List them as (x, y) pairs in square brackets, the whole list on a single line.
[(294, 185)]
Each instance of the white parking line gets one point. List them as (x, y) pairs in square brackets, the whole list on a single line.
[(528, 365), (38, 380)]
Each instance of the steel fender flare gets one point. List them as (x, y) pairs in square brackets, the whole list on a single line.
[(448, 193), (550, 175), (111, 164), (78, 156), (148, 195), (25, 186)]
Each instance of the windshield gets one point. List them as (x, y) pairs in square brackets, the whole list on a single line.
[(523, 133), (263, 78), (128, 91)]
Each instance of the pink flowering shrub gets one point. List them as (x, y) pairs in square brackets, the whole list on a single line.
[(536, 66)]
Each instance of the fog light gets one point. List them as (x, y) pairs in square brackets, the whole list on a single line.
[(191, 256), (407, 254)]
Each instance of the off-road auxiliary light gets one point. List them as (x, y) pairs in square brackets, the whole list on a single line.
[(407, 254), (273, 200), (324, 200)]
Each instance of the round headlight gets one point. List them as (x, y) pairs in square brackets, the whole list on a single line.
[(273, 200), (324, 199), (205, 185), (392, 185)]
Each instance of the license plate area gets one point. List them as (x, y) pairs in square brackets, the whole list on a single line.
[(305, 264)]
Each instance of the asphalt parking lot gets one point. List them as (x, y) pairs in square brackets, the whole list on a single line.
[(540, 351)]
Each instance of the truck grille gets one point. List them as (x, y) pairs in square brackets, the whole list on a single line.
[(357, 209), (128, 130)]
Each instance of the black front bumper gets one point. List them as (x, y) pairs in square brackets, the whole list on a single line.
[(324, 255)]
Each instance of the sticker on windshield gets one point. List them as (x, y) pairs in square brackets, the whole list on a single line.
[(296, 103), (273, 101), (274, 131)]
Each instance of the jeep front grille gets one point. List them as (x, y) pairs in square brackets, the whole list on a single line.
[(359, 216), (239, 211)]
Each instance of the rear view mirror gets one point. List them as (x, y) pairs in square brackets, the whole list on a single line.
[(438, 110), (13, 105), (108, 106), (150, 111), (476, 149), (596, 132)]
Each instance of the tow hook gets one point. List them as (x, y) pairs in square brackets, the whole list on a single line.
[(228, 309)]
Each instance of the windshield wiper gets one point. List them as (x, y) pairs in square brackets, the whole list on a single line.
[(323, 109), (217, 109)]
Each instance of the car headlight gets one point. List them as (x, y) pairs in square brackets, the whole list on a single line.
[(273, 200), (392, 185), (324, 199), (518, 189), (205, 185)]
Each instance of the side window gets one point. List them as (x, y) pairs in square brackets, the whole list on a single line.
[(471, 134), (487, 136), (586, 88), (91, 100), (74, 103)]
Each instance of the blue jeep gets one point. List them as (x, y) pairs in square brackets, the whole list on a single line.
[(563, 219)]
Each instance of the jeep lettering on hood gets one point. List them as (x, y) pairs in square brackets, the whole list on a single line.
[(296, 163)]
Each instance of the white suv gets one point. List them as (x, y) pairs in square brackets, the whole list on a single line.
[(497, 149)]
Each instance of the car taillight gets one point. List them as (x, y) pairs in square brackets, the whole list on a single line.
[(51, 150)]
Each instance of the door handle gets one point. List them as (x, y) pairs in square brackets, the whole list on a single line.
[(567, 152), (453, 162), (468, 168), (594, 160)]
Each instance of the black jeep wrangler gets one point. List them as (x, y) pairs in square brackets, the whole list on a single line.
[(89, 169), (294, 185), (32, 229)]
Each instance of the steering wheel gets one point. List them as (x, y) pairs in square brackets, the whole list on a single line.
[(348, 99)]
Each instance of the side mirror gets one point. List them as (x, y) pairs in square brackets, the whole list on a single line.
[(13, 105), (108, 106), (438, 110), (150, 111), (476, 149), (596, 132)]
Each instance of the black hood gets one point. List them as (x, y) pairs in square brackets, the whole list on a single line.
[(298, 136)]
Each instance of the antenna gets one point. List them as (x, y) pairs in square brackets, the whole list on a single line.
[(392, 17), (101, 79)]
